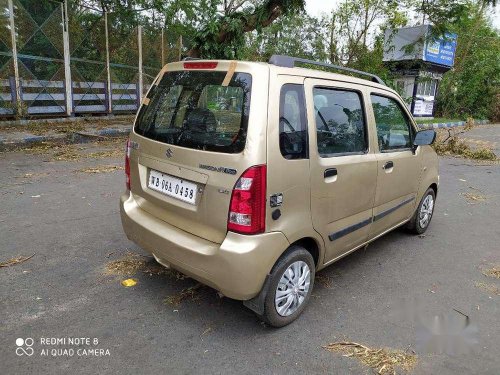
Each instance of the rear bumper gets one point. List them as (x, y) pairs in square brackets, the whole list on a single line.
[(237, 267)]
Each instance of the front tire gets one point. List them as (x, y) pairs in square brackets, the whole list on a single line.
[(290, 287), (420, 221)]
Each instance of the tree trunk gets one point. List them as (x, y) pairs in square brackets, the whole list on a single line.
[(365, 29), (333, 44)]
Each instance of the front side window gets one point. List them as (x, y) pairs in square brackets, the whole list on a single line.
[(340, 122), (192, 109), (292, 122), (393, 125)]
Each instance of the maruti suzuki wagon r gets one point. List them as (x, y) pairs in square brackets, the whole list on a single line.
[(249, 177)]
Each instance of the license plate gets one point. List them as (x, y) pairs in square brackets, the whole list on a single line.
[(172, 186)]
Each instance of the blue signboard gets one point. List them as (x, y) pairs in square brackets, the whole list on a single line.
[(441, 51)]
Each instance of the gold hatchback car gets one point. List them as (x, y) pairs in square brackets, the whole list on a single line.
[(249, 177)]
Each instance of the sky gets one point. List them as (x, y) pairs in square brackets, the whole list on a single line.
[(316, 7)]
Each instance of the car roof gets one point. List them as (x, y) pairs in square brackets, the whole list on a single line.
[(312, 73), (294, 71), (321, 74)]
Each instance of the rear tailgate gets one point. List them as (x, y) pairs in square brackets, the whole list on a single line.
[(183, 173)]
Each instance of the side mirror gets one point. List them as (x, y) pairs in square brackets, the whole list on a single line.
[(424, 137)]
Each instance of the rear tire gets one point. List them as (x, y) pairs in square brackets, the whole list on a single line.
[(289, 288), (421, 219)]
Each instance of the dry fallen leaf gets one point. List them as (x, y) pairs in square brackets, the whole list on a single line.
[(128, 265), (154, 268), (33, 175), (472, 198), (100, 169), (106, 154), (14, 261), (188, 293), (208, 330), (324, 281), (384, 361), (492, 272), (129, 282), (488, 287)]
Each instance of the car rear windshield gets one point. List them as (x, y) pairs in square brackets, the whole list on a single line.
[(194, 109)]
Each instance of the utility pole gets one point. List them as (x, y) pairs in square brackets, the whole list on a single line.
[(14, 58), (67, 62), (162, 48), (180, 48), (108, 71), (139, 45)]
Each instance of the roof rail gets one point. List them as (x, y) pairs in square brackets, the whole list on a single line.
[(291, 62)]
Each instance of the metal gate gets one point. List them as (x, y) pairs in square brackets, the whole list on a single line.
[(59, 62), (37, 54)]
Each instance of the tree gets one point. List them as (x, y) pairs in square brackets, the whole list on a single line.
[(354, 26), (472, 87), (212, 28), (222, 36), (296, 35), (351, 35)]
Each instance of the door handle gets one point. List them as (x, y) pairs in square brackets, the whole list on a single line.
[(330, 172), (388, 165)]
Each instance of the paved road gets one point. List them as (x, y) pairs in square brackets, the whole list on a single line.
[(70, 220), (484, 136)]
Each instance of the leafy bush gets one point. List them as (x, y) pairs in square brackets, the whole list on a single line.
[(472, 87)]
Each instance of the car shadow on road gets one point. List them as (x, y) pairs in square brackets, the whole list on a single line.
[(186, 300)]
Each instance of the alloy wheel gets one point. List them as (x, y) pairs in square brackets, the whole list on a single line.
[(292, 288)]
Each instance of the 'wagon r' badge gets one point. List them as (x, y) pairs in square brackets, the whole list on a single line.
[(169, 153)]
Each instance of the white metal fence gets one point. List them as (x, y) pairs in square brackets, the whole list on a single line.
[(56, 59)]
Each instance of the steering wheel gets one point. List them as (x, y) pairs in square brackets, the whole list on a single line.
[(287, 123)]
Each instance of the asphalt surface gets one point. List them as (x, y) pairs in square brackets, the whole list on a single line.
[(484, 136), (70, 220)]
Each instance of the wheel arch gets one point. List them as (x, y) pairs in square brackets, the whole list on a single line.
[(311, 245), (434, 187)]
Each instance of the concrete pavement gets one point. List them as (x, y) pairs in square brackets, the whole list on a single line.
[(69, 218)]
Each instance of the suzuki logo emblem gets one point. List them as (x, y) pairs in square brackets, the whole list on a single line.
[(169, 153)]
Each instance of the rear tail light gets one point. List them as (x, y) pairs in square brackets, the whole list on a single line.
[(127, 165), (247, 210)]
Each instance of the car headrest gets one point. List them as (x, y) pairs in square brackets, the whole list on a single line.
[(289, 112), (201, 120), (320, 101)]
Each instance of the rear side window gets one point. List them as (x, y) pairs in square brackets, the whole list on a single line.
[(192, 109), (394, 130), (340, 122), (292, 125)]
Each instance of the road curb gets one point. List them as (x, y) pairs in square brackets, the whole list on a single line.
[(113, 132), (83, 137), (26, 122), (70, 137), (450, 124)]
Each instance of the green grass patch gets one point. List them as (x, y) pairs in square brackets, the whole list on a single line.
[(436, 120)]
